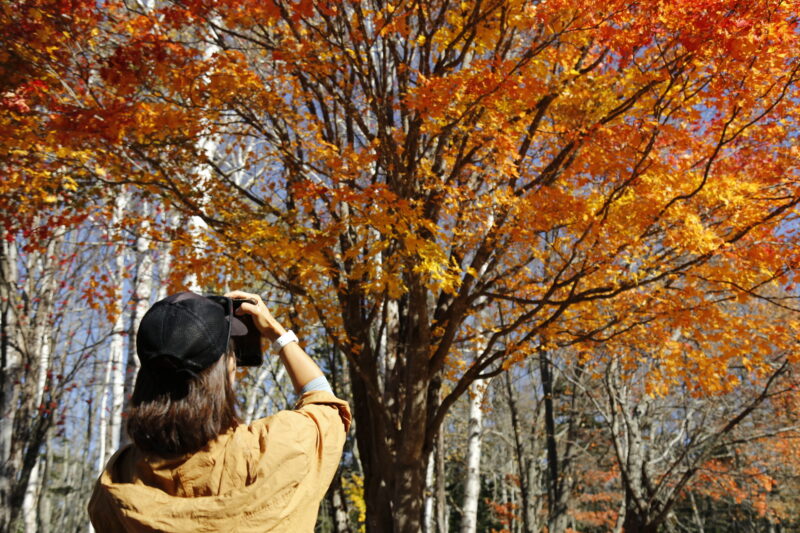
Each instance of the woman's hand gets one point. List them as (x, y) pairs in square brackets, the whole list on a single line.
[(265, 322), (300, 367)]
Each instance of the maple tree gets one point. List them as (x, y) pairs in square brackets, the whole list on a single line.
[(419, 174)]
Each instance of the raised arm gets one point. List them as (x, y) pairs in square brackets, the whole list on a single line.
[(301, 368)]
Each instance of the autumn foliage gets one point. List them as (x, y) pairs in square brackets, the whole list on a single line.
[(446, 189)]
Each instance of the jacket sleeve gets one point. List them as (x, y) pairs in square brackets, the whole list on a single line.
[(306, 442), (328, 408), (327, 419)]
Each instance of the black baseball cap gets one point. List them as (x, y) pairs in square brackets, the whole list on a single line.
[(190, 332)]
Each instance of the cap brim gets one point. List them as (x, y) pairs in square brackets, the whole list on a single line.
[(238, 329)]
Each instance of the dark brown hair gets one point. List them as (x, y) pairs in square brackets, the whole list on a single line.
[(177, 413)]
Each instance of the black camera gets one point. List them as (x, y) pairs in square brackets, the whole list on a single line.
[(248, 347)]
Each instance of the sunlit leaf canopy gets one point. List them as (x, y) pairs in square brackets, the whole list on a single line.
[(549, 172), (40, 175)]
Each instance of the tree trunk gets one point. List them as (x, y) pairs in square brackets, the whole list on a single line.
[(35, 481), (394, 429), (519, 453), (558, 461), (620, 523), (103, 412), (394, 468), (207, 146), (430, 499), (472, 485), (113, 385), (142, 290), (118, 369), (341, 519), (31, 500), (441, 492), (44, 519), (634, 523), (371, 440), (25, 380), (10, 372)]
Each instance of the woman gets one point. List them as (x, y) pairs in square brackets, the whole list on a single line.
[(192, 465)]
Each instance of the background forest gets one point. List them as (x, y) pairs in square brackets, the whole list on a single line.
[(546, 249)]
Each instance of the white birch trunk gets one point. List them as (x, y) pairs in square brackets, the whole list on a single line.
[(472, 488), (429, 496), (33, 490), (164, 265), (197, 226), (113, 383), (340, 517), (103, 412), (117, 373), (30, 503), (144, 273), (117, 347), (387, 343), (142, 289), (13, 360), (40, 344), (44, 509), (11, 370), (251, 403), (266, 402)]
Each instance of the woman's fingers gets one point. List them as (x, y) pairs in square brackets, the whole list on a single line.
[(241, 295), (253, 304), (264, 320)]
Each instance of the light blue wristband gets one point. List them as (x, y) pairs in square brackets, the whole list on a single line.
[(320, 383)]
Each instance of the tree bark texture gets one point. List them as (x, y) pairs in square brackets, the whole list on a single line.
[(442, 522), (27, 389), (338, 502), (559, 458), (520, 458), (472, 485), (430, 499), (393, 426), (141, 294)]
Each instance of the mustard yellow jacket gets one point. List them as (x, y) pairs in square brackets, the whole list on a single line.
[(268, 476)]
